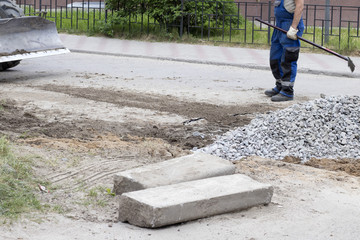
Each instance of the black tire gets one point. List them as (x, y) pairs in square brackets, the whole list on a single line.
[(8, 9)]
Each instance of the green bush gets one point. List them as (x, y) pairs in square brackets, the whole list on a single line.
[(213, 13), (170, 13), (165, 12), (123, 9)]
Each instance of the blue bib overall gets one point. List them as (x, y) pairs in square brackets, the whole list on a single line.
[(284, 52)]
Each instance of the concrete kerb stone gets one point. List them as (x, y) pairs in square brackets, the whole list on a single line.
[(191, 167), (176, 203)]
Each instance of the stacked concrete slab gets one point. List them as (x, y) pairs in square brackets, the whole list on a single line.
[(177, 170), (183, 189)]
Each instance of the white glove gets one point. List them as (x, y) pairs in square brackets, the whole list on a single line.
[(292, 33)]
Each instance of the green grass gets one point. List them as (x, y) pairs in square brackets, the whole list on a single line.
[(59, 209), (247, 33), (96, 197), (17, 184), (2, 105), (346, 42), (78, 21), (72, 20)]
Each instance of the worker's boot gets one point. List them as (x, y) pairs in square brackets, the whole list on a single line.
[(281, 98), (275, 90), (271, 92)]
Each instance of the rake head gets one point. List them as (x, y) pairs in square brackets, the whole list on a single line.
[(351, 65)]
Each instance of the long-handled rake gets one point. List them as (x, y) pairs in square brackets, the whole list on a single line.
[(351, 65)]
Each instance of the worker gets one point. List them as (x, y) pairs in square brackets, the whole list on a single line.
[(285, 48)]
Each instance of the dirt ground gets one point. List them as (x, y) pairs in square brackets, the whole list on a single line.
[(350, 166), (79, 137), (78, 153)]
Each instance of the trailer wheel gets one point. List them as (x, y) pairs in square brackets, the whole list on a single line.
[(8, 9)]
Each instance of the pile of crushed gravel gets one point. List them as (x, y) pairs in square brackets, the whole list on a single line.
[(328, 127)]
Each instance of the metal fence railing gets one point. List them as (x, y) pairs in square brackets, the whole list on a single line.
[(338, 26)]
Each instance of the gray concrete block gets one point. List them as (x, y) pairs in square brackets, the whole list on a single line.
[(182, 169), (166, 205)]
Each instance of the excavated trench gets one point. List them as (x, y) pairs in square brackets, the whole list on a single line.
[(204, 122)]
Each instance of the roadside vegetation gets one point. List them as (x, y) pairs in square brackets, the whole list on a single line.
[(17, 184), (20, 190), (213, 22)]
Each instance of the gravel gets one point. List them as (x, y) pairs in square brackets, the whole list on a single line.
[(328, 127)]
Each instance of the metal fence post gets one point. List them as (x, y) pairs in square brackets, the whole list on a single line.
[(327, 20), (269, 20), (340, 25), (182, 19)]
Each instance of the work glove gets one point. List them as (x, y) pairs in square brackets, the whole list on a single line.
[(292, 33)]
